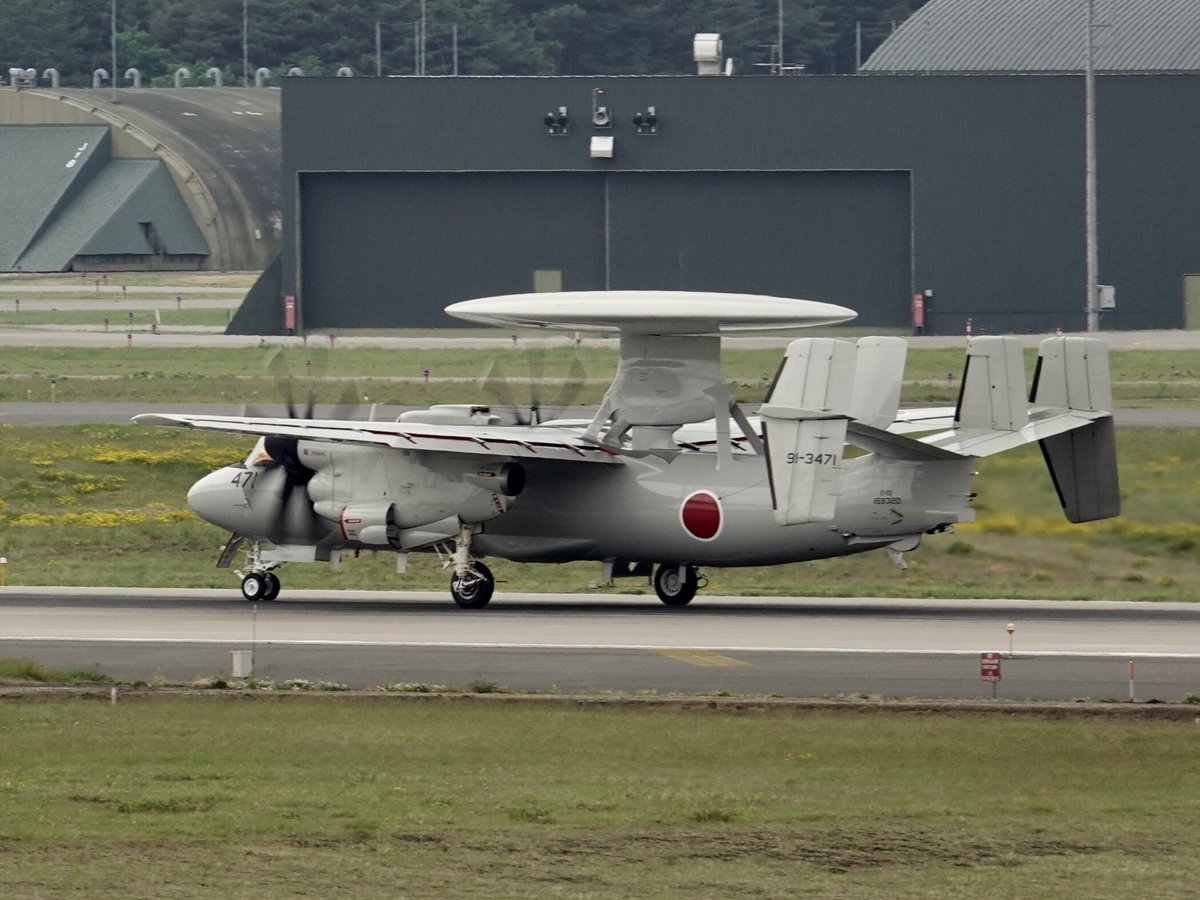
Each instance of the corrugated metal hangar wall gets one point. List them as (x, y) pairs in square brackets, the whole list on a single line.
[(404, 195)]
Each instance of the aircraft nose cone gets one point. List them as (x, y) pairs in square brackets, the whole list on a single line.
[(217, 498)]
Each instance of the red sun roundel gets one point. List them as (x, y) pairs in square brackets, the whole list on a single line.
[(701, 515)]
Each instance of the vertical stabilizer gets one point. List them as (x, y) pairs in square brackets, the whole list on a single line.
[(1072, 373), (992, 395), (878, 377), (804, 424)]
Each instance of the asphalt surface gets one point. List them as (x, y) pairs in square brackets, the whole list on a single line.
[(530, 642)]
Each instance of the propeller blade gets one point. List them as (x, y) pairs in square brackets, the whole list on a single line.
[(566, 389)]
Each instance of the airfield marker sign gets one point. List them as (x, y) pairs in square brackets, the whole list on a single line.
[(989, 669)]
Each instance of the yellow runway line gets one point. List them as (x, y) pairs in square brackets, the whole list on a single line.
[(702, 657)]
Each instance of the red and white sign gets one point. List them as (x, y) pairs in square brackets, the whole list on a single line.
[(989, 666)]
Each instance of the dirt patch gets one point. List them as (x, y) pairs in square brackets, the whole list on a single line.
[(746, 705)]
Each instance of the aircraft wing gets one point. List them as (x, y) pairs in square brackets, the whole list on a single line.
[(522, 442)]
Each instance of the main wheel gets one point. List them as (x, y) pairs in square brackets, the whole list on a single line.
[(473, 590), (672, 589), (273, 586), (254, 587)]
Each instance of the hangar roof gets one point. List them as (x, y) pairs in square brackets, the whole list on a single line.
[(130, 208), (1043, 36), (65, 196), (40, 167)]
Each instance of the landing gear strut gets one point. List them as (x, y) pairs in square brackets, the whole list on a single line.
[(472, 583), (676, 585)]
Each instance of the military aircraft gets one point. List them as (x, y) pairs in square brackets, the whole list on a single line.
[(670, 474)]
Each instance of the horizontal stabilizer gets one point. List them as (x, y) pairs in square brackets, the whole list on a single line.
[(992, 395), (804, 426)]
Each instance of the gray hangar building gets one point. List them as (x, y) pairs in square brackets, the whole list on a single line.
[(944, 169)]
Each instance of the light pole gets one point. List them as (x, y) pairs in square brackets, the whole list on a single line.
[(245, 44), (112, 80), (1091, 306)]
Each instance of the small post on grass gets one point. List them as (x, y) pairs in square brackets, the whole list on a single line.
[(3, 570), (112, 696), (1132, 695), (1011, 628)]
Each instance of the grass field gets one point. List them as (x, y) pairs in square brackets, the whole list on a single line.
[(319, 796), (145, 373), (118, 320)]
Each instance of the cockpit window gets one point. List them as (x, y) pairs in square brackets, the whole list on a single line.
[(259, 456)]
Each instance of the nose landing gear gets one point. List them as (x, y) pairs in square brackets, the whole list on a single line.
[(259, 583), (261, 586)]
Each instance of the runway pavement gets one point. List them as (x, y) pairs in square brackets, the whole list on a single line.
[(541, 642)]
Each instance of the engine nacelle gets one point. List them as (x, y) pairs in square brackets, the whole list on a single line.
[(365, 523), (499, 478), (373, 494)]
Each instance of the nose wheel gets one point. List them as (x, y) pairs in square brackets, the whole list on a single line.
[(260, 586), (261, 583)]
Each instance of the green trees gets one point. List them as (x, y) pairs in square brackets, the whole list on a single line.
[(483, 37)]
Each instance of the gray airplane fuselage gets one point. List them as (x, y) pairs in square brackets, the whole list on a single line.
[(648, 510)]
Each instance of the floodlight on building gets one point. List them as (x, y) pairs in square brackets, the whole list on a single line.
[(646, 122), (706, 52), (556, 121), (601, 116)]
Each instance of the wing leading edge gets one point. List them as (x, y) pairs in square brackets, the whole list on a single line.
[(515, 441)]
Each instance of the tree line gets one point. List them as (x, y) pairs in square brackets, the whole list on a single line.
[(467, 37)]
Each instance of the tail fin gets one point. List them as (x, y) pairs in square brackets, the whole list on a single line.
[(821, 385), (804, 427), (1073, 373), (992, 394), (1069, 415)]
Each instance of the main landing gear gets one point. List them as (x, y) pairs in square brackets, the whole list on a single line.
[(473, 589), (472, 583), (676, 585)]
